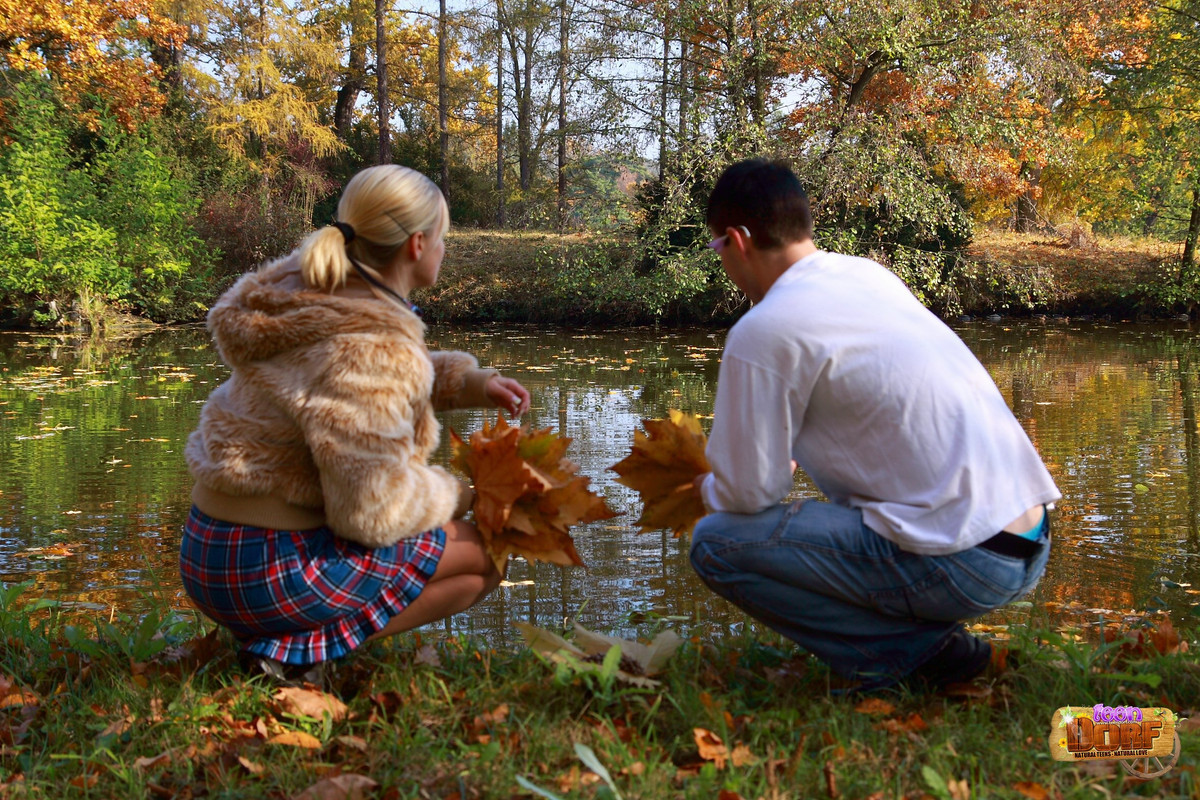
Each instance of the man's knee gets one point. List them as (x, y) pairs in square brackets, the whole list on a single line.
[(703, 543)]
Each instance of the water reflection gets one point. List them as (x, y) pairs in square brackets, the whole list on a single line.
[(93, 488)]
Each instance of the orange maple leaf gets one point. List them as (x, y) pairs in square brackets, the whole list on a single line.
[(526, 492), (662, 468)]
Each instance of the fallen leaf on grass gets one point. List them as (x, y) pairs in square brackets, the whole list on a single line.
[(353, 743), (1145, 642), (1034, 791), (638, 660), (299, 739), (741, 756), (913, 723), (428, 654), (526, 493), (309, 703), (16, 698), (662, 467), (480, 729), (874, 705), (149, 762), (341, 787), (252, 767), (711, 747)]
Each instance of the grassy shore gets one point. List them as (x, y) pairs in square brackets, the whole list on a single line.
[(578, 279), (151, 708)]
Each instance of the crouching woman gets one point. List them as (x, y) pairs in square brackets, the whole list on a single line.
[(317, 522)]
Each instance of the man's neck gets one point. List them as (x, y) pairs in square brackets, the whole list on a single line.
[(776, 262)]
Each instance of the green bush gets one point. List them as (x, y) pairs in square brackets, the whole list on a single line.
[(51, 250)]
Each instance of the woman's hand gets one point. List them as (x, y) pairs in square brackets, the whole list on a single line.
[(508, 394)]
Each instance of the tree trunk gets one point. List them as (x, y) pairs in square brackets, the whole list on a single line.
[(356, 68), (500, 220), (663, 145), (683, 92), (443, 102), (381, 84), (1193, 233), (562, 114), (759, 110), (525, 113), (1027, 204)]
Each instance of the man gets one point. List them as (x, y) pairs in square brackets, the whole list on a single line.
[(937, 499)]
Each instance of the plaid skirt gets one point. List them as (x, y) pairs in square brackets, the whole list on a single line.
[(300, 597)]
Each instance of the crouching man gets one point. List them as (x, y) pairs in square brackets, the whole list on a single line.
[(937, 499)]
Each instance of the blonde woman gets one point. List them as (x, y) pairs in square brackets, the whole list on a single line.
[(317, 523)]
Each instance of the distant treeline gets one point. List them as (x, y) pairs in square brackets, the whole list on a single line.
[(153, 150)]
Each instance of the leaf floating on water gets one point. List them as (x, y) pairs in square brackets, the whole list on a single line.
[(1141, 488), (526, 492), (663, 465)]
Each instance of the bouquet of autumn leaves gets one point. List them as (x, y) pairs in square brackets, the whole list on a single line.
[(526, 492), (662, 468)]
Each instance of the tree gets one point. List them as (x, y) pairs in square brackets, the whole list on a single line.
[(91, 48), (383, 114)]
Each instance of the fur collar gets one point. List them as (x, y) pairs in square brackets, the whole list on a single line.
[(258, 319)]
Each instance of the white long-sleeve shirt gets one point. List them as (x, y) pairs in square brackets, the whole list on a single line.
[(840, 368)]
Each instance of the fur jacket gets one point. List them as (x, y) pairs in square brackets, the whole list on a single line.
[(330, 406)]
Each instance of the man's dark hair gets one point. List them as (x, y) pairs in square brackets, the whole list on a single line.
[(766, 197)]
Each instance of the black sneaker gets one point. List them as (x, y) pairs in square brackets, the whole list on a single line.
[(963, 658)]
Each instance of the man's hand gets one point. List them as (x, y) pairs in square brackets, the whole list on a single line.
[(508, 394)]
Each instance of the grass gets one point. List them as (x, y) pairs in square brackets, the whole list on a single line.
[(147, 708), (1100, 275)]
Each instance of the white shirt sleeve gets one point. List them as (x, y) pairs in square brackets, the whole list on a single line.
[(751, 442)]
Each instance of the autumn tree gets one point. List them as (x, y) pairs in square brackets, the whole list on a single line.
[(91, 49)]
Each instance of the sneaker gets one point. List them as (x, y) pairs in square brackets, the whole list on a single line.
[(963, 658)]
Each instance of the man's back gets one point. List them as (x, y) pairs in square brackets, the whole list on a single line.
[(842, 369)]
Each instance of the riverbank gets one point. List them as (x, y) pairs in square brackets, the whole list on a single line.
[(151, 708), (585, 279), (546, 278)]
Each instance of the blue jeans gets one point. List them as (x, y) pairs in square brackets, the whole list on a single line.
[(813, 572)]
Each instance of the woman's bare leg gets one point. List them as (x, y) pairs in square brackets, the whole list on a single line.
[(464, 576)]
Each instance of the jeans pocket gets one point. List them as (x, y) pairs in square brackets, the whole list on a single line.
[(990, 580), (933, 597)]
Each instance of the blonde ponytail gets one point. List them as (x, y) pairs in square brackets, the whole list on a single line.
[(324, 262), (384, 205)]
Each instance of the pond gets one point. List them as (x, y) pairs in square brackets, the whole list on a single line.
[(94, 489)]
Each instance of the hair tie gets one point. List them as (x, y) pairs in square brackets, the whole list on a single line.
[(347, 231)]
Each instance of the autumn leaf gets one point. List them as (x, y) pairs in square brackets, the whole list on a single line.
[(309, 703), (662, 468), (339, 787), (305, 741), (874, 705), (711, 747), (527, 494), (1034, 791), (914, 723)]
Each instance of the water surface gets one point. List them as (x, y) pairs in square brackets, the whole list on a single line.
[(94, 489)]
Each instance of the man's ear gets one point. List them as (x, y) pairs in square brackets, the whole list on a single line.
[(738, 239)]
